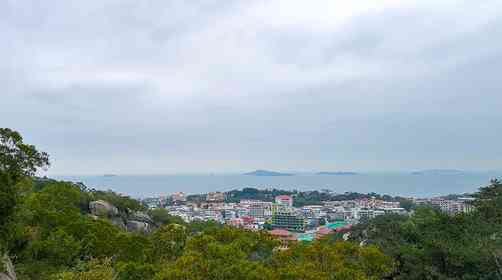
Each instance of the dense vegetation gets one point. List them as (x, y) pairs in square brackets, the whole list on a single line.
[(47, 232), (434, 245), (54, 237)]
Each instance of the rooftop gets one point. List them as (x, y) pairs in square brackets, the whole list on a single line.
[(305, 237), (281, 232), (335, 225), (324, 230)]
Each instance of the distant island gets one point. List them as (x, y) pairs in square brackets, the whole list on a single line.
[(337, 173), (267, 173), (438, 172), (109, 175)]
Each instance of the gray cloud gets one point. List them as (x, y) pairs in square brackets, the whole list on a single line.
[(184, 86)]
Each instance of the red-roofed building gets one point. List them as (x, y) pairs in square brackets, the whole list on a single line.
[(285, 236), (346, 227), (235, 222), (324, 231), (280, 232), (247, 219)]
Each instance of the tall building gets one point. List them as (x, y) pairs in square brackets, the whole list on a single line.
[(453, 207), (284, 200), (260, 209), (287, 219), (366, 214)]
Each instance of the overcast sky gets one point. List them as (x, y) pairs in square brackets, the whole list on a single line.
[(229, 86)]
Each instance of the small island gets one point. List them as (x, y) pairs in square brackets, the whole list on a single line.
[(438, 172), (267, 173), (337, 173)]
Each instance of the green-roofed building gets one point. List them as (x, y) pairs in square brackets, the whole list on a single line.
[(305, 237), (336, 225)]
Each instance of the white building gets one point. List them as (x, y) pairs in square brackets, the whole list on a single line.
[(284, 200)]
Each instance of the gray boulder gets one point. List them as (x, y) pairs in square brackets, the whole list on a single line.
[(141, 217), (102, 208), (118, 222), (138, 226), (8, 268)]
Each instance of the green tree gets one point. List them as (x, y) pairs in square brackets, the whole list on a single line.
[(161, 216), (95, 269), (17, 160), (433, 245), (58, 248), (135, 271), (168, 241)]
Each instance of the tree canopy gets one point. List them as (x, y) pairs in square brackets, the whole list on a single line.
[(17, 160)]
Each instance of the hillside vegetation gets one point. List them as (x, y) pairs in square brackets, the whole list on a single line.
[(53, 230)]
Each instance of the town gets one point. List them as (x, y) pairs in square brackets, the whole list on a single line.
[(301, 223)]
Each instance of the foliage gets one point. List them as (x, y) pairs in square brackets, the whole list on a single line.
[(222, 253), (309, 197), (93, 270), (17, 161), (135, 271), (161, 216), (253, 193), (125, 204), (229, 253), (168, 241), (433, 245), (325, 260), (201, 226), (46, 224)]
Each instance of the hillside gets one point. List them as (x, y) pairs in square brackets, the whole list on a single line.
[(53, 230), (267, 173)]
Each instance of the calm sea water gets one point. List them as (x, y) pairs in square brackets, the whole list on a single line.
[(384, 183)]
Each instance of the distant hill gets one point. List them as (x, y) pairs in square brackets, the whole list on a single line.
[(267, 173), (438, 172), (337, 173)]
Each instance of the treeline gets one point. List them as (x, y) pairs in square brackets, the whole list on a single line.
[(253, 193), (302, 198)]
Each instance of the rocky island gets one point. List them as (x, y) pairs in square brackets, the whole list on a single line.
[(267, 173)]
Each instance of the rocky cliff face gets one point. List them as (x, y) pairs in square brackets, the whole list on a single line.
[(137, 226), (135, 222), (7, 268)]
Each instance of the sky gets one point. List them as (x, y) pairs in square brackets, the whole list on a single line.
[(162, 87)]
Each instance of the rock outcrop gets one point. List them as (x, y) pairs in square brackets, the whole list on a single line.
[(102, 208), (137, 226), (118, 221), (135, 222), (141, 217), (7, 269)]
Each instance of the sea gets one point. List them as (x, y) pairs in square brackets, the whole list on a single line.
[(392, 183)]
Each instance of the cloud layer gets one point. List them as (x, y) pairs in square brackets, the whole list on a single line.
[(225, 86)]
